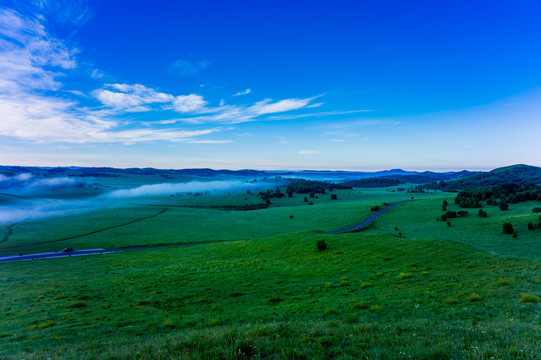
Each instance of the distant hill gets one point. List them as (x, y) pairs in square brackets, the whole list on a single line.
[(409, 178), (520, 174)]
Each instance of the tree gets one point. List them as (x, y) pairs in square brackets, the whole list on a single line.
[(503, 203), (334, 197), (531, 226), (508, 228), (482, 213), (444, 205), (321, 245)]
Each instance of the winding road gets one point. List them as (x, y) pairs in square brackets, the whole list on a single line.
[(369, 219)]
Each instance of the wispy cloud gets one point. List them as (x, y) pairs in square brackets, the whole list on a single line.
[(185, 67), (318, 114), (130, 98), (232, 114), (307, 152), (245, 92), (27, 52), (31, 64)]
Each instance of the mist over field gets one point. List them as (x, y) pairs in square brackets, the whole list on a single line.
[(26, 197), (194, 186), (26, 183)]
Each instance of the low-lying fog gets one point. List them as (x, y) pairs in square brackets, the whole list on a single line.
[(24, 197)]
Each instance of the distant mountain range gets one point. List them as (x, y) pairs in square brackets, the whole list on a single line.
[(455, 180)]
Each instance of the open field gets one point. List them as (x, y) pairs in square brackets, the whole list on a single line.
[(407, 286)]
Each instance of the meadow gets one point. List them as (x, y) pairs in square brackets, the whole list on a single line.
[(406, 287)]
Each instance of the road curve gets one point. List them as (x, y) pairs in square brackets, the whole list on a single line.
[(368, 220)]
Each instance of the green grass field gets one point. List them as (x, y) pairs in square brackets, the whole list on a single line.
[(406, 287)]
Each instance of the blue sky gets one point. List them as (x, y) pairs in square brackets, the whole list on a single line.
[(419, 85)]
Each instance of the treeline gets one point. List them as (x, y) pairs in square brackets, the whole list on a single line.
[(373, 182), (499, 195), (303, 186)]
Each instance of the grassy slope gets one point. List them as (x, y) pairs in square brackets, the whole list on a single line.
[(277, 296)]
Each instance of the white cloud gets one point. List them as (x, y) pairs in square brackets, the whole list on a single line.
[(247, 91), (267, 107), (189, 103), (231, 114), (96, 74), (130, 98), (26, 49), (307, 152)]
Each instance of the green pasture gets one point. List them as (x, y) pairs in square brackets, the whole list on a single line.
[(367, 295), (406, 287), (182, 222)]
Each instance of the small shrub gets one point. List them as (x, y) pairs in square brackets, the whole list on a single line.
[(279, 281), (529, 298), (449, 223), (404, 276), (450, 214), (508, 228), (142, 302), (41, 297), (359, 306), (451, 301), (334, 197), (46, 324), (536, 210), (343, 283), (291, 216), (515, 234), (215, 322), (531, 226), (351, 319), (375, 208), (443, 218), (482, 213), (275, 300), (331, 311), (474, 298), (504, 282), (77, 304), (376, 308), (365, 285), (321, 245), (168, 324)]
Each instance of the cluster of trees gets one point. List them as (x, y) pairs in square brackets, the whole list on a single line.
[(373, 182), (311, 187), (499, 195), (269, 194)]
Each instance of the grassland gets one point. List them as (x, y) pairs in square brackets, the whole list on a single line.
[(406, 287)]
